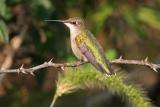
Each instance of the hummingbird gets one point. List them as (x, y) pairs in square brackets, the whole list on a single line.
[(85, 46)]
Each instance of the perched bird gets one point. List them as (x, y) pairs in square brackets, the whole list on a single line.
[(85, 46)]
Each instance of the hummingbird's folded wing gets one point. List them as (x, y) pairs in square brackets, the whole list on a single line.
[(90, 56), (91, 51)]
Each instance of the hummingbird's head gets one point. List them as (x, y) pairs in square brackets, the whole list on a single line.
[(75, 23), (72, 23)]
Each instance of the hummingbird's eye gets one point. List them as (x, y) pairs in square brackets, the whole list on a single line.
[(74, 22)]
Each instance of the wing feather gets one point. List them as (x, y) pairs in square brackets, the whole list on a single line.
[(86, 46), (91, 58)]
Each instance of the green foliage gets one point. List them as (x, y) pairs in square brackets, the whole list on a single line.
[(111, 54), (100, 16), (149, 16), (3, 28), (81, 78), (3, 31), (3, 7), (129, 15), (42, 8), (4, 10)]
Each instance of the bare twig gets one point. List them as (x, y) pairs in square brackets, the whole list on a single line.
[(44, 65), (145, 62)]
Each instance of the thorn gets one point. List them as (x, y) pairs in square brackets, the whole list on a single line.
[(50, 61), (120, 57), (21, 69), (22, 66), (32, 73), (155, 69), (45, 62), (146, 59), (62, 68)]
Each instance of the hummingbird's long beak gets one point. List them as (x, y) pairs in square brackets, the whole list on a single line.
[(63, 21)]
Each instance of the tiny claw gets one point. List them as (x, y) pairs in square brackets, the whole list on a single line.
[(146, 59), (107, 75), (62, 68)]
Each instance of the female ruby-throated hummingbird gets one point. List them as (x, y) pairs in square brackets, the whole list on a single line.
[(85, 46)]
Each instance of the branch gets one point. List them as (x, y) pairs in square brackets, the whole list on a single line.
[(44, 65), (31, 70), (144, 62)]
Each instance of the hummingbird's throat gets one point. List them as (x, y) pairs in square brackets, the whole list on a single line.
[(74, 30)]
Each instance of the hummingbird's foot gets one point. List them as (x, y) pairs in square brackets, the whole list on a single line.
[(107, 75)]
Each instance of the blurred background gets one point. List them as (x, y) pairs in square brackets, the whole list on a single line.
[(128, 28)]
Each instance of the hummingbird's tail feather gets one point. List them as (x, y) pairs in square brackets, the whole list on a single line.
[(91, 58), (106, 69), (110, 68)]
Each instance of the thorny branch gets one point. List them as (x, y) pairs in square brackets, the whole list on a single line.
[(144, 62), (120, 60)]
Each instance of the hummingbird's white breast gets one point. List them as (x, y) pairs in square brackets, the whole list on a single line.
[(75, 31)]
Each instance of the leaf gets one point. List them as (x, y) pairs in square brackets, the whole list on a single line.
[(3, 31), (149, 16), (42, 8), (129, 15), (101, 15), (3, 7), (111, 54)]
